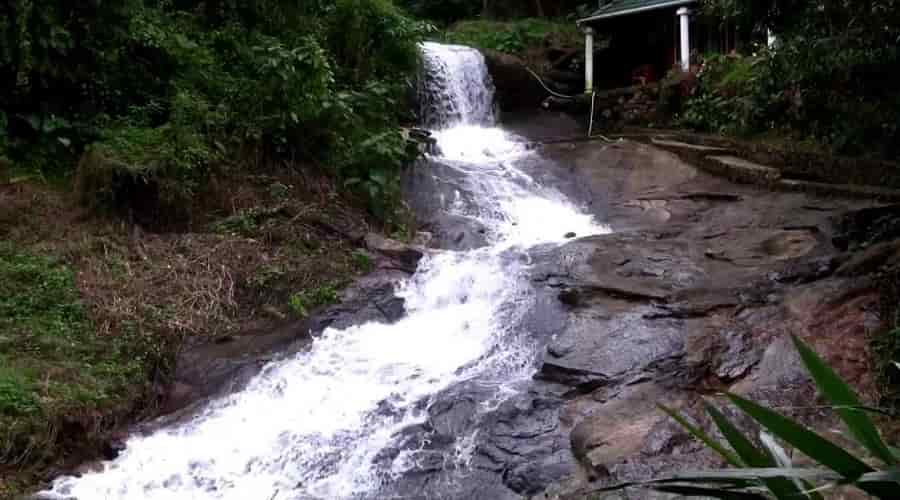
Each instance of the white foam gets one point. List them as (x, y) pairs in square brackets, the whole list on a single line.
[(312, 425)]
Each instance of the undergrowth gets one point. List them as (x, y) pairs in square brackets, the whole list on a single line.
[(55, 369), (301, 303), (185, 86)]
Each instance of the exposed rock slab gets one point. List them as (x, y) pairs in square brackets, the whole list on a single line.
[(697, 290), (668, 310)]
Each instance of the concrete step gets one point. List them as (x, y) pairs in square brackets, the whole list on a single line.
[(684, 146), (741, 170)]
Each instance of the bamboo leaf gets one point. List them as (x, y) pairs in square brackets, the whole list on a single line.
[(781, 487), (780, 456), (729, 457), (842, 396), (750, 455), (816, 447)]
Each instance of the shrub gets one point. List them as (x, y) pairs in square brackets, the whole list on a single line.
[(444, 11), (512, 36), (184, 83), (732, 96), (822, 83), (372, 168)]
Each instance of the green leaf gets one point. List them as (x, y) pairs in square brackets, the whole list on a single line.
[(841, 395), (816, 447), (780, 487), (780, 456), (729, 457), (746, 450), (378, 177)]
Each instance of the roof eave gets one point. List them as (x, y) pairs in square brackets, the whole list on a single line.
[(673, 3)]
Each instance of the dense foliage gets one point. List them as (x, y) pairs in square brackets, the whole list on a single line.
[(450, 11), (829, 78), (513, 36), (173, 87)]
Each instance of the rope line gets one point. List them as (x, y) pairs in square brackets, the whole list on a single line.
[(556, 94)]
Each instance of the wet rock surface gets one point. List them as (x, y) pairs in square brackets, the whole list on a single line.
[(222, 367), (696, 291), (669, 309), (431, 189)]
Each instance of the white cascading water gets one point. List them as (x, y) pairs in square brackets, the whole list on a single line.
[(310, 426)]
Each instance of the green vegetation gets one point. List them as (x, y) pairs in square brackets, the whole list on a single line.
[(163, 92), (767, 466), (826, 81), (512, 36), (302, 302), (363, 261), (446, 12), (55, 369)]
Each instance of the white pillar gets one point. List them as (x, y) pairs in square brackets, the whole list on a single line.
[(684, 14), (588, 59)]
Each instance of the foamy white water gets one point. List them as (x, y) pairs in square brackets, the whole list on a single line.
[(311, 426)]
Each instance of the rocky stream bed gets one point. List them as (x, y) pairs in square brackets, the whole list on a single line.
[(692, 287)]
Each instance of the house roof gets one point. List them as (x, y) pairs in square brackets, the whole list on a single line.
[(617, 8)]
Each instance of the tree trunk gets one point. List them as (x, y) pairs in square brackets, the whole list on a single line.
[(539, 8)]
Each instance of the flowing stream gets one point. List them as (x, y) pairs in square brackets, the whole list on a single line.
[(311, 426)]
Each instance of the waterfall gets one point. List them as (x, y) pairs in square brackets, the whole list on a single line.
[(311, 426), (455, 88)]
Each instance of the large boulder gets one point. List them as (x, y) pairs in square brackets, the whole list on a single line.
[(516, 88)]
